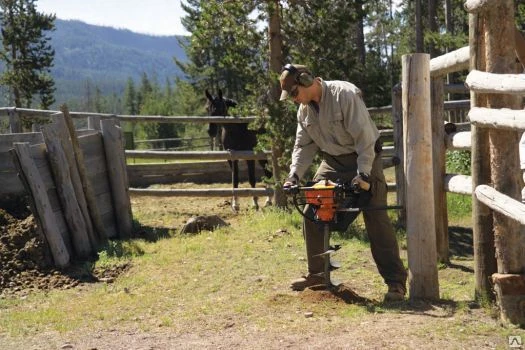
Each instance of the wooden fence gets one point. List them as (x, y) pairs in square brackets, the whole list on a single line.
[(77, 184), (496, 115), (141, 175), (422, 182)]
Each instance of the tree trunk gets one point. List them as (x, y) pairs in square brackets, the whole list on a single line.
[(432, 25), (419, 28), (276, 62)]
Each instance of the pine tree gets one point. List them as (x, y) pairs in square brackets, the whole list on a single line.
[(26, 52)]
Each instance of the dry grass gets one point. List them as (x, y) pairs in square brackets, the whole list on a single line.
[(237, 277)]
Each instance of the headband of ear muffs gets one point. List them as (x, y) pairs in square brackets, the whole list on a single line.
[(302, 77)]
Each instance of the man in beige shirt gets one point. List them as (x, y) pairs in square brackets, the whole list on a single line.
[(332, 119)]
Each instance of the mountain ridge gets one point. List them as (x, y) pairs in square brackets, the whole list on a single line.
[(106, 57)]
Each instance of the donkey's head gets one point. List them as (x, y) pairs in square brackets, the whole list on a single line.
[(218, 105)]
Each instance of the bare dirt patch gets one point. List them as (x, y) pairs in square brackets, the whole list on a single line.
[(26, 264)]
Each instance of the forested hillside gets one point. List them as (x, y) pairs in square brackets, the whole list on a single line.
[(90, 57)]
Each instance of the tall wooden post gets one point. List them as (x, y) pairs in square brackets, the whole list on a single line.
[(438, 156), (421, 224), (508, 234), (482, 225), (397, 121)]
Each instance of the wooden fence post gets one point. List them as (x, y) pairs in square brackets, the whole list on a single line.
[(397, 121), (439, 160), (505, 173), (482, 224), (421, 224), (46, 216), (118, 178)]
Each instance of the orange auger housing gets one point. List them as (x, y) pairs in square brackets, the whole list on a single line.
[(323, 197)]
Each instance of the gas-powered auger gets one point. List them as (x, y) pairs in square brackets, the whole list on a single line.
[(329, 205)]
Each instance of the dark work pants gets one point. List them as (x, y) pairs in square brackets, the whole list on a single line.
[(383, 241)]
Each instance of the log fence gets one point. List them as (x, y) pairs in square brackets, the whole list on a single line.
[(497, 119)]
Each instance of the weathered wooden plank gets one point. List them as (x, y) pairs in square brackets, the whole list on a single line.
[(86, 184), (150, 168), (104, 202), (101, 186), (47, 218), (501, 203), (485, 82), (54, 200), (65, 138), (95, 165), (66, 192), (207, 192), (6, 162), (503, 118), (109, 220), (91, 145), (11, 184), (118, 177), (210, 155), (6, 140), (454, 61)]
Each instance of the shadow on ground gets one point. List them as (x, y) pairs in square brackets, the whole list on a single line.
[(460, 241)]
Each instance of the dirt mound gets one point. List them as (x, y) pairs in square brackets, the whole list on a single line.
[(26, 264), (342, 293)]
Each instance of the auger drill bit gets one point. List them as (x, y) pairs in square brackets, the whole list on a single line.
[(329, 265)]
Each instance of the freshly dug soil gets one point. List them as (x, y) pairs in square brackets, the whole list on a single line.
[(26, 263)]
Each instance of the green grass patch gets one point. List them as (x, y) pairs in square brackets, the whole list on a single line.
[(237, 275)]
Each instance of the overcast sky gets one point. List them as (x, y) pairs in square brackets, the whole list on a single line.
[(157, 17)]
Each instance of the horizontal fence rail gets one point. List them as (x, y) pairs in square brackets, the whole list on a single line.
[(208, 192), (207, 155)]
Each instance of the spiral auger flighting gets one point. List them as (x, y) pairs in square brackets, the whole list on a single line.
[(331, 203)]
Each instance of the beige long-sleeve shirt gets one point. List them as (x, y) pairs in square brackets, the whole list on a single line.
[(341, 126)]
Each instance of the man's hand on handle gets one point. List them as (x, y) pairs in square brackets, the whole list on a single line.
[(361, 181), (291, 181)]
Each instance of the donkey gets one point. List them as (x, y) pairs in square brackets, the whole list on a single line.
[(235, 137)]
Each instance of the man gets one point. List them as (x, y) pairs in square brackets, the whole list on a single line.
[(333, 119)]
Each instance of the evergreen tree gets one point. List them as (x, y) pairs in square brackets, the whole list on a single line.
[(130, 98), (26, 52), (224, 49)]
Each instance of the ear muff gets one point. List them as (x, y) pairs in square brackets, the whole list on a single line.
[(303, 78)]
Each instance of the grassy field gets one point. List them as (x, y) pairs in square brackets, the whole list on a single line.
[(236, 279)]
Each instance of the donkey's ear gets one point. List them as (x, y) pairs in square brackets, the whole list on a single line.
[(208, 95), (231, 103), (220, 93)]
